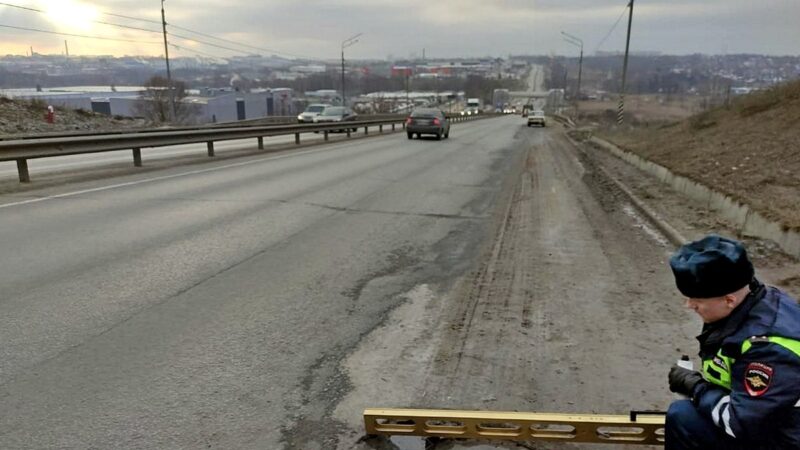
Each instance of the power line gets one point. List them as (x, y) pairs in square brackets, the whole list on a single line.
[(187, 49), (20, 7), (603, 41), (95, 21), (130, 18), (240, 44), (103, 38), (186, 38), (199, 41), (125, 26), (205, 35)]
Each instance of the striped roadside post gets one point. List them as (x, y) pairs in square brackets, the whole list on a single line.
[(621, 110)]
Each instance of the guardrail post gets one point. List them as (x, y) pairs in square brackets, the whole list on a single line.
[(260, 143), (404, 125), (297, 138), (380, 128), (326, 135), (392, 127), (366, 130), (137, 157), (210, 148), (348, 132), (22, 168)]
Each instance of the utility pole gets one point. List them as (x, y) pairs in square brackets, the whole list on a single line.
[(347, 43), (621, 110), (66, 48), (578, 42), (172, 111)]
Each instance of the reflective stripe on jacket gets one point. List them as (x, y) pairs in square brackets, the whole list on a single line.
[(753, 389)]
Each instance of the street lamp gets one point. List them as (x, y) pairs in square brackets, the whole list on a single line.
[(578, 43), (347, 43)]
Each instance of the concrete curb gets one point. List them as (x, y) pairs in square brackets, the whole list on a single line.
[(748, 221), (673, 235)]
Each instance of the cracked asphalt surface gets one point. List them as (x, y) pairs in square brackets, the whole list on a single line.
[(263, 301), (213, 305)]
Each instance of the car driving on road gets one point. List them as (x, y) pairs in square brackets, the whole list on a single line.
[(311, 112), (427, 121), (336, 114), (536, 118)]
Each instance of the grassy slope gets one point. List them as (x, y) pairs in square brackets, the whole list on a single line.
[(750, 150), (28, 117)]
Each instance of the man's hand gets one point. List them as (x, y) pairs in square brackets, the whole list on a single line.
[(683, 381)]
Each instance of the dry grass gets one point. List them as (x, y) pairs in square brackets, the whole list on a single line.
[(749, 150), (29, 116), (643, 108)]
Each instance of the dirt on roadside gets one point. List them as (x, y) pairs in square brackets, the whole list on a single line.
[(693, 219), (29, 117), (749, 150)]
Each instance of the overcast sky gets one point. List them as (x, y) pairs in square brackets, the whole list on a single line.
[(445, 28)]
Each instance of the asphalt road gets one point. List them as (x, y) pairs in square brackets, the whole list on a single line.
[(262, 301), (211, 305)]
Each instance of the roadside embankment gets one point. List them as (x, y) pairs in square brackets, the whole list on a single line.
[(747, 152)]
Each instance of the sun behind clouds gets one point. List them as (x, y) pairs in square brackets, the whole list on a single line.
[(70, 14)]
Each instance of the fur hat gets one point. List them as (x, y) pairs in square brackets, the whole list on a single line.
[(711, 267)]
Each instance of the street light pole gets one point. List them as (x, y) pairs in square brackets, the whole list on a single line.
[(408, 87), (347, 43), (166, 56), (578, 42)]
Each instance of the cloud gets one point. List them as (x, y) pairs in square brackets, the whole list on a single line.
[(443, 27)]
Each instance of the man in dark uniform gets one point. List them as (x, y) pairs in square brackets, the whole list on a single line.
[(748, 392)]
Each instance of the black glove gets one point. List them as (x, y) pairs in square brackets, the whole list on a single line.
[(683, 381)]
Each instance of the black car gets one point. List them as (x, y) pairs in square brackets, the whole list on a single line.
[(427, 121), (333, 114)]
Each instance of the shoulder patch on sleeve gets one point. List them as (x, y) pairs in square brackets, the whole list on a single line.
[(757, 378)]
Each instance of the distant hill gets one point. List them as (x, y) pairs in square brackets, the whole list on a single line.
[(28, 117), (749, 150)]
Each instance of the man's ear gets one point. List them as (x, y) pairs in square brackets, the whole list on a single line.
[(731, 301)]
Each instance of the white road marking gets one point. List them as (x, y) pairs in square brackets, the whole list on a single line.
[(166, 177)]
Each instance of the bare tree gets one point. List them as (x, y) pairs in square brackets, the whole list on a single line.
[(154, 102)]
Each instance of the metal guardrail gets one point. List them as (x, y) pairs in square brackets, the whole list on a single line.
[(21, 150), (261, 121), (270, 120), (640, 428)]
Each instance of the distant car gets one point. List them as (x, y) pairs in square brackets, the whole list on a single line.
[(336, 114), (427, 121), (311, 111), (537, 118)]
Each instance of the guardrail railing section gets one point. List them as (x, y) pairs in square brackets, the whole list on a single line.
[(50, 145)]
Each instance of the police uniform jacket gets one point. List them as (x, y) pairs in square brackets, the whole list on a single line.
[(751, 362)]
